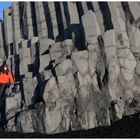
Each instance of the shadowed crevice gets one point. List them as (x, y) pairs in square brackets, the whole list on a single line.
[(106, 15), (59, 17), (33, 15), (127, 12), (48, 20), (80, 9), (90, 6)]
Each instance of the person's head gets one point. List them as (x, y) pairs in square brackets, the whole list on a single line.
[(5, 67)]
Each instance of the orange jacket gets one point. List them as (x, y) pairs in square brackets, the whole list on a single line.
[(6, 78)]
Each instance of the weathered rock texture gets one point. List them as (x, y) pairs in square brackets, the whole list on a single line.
[(77, 64)]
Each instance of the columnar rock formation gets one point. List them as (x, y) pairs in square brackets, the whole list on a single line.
[(76, 64)]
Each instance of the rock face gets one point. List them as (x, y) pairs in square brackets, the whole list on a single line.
[(76, 64)]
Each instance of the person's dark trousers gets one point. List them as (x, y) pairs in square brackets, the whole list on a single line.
[(3, 119)]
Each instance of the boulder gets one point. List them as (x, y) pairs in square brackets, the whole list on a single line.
[(13, 106), (44, 44), (25, 122), (29, 86), (91, 27), (80, 61), (44, 62), (64, 67), (51, 122)]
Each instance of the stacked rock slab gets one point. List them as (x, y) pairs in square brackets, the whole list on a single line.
[(2, 54), (8, 28), (76, 63), (16, 26), (41, 21)]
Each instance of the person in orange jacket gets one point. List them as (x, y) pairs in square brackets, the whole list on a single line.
[(6, 78)]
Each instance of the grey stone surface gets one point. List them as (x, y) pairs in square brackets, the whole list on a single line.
[(134, 8), (29, 86), (45, 75), (55, 52), (63, 67), (51, 7), (8, 26), (2, 55), (67, 47), (16, 22), (44, 62), (73, 13), (137, 69), (23, 44), (24, 52), (44, 44), (23, 66), (84, 6), (91, 27), (33, 40), (13, 105), (25, 125), (75, 71), (34, 49), (80, 61)]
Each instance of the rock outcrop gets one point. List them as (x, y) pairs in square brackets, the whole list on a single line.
[(76, 64)]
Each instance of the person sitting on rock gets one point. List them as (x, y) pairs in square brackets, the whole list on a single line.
[(6, 78)]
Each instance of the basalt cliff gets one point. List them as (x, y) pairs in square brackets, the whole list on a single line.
[(76, 64)]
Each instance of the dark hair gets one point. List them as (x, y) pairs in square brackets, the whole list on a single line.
[(3, 71)]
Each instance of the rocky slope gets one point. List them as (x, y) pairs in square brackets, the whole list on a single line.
[(128, 127), (76, 64)]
